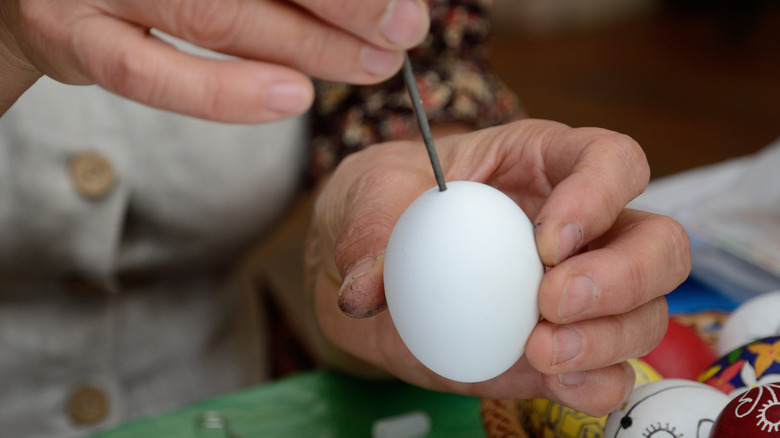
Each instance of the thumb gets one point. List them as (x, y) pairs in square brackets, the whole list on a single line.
[(369, 212), (355, 214), (360, 248)]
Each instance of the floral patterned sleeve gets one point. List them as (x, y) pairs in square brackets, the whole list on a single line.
[(455, 81)]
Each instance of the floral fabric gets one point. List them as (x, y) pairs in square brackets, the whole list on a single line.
[(455, 81)]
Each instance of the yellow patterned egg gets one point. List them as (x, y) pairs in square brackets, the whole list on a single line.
[(546, 419)]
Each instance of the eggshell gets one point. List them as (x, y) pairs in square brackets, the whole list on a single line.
[(461, 276), (673, 408), (754, 414), (682, 353), (756, 318), (545, 418), (748, 366)]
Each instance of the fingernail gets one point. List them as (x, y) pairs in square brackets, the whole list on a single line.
[(357, 270), (569, 240), (401, 22), (567, 344), (360, 296), (380, 62), (578, 296), (573, 378), (287, 98)]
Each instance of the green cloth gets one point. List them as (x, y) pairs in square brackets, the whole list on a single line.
[(313, 404)]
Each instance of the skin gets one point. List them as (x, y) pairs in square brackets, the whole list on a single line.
[(574, 183), (558, 175), (107, 42)]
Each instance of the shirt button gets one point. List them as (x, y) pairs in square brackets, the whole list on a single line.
[(88, 405), (92, 174)]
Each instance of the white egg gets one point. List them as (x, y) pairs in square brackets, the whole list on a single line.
[(461, 276), (757, 318), (671, 408)]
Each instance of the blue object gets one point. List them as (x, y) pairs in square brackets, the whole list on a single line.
[(694, 296)]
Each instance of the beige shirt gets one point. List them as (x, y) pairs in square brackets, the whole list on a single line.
[(120, 226)]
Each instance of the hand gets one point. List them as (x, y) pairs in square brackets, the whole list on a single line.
[(277, 42), (608, 267)]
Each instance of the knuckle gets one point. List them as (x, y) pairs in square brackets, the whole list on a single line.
[(663, 264), (637, 273), (655, 317), (666, 261), (640, 330), (679, 248), (603, 390), (620, 386), (213, 105), (632, 158), (355, 234), (125, 75), (630, 281), (344, 10), (627, 148), (315, 49), (628, 156), (213, 23)]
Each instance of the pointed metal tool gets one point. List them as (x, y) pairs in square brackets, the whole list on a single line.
[(422, 121)]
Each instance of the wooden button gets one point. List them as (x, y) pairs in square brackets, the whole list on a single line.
[(88, 405), (92, 175)]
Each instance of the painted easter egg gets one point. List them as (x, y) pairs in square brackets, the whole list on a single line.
[(753, 414), (756, 318), (670, 408), (682, 353), (545, 418), (751, 365)]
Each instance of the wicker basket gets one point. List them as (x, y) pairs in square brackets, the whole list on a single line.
[(501, 419)]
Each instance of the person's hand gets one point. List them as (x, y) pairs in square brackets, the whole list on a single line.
[(277, 44), (602, 297)]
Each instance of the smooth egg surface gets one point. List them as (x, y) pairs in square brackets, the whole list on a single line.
[(756, 318), (461, 275), (669, 408)]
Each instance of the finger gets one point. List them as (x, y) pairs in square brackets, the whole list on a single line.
[(139, 66), (599, 342), (595, 392), (643, 257), (595, 173), (271, 31), (375, 340), (395, 24)]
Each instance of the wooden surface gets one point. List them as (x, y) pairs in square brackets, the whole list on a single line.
[(692, 88)]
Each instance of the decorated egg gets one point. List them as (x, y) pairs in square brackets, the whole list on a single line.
[(748, 366), (461, 275), (682, 353), (671, 408), (754, 319), (753, 414), (545, 418)]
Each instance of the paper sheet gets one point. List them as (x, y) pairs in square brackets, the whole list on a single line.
[(731, 210)]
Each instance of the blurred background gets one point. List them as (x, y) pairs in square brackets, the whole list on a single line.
[(693, 81)]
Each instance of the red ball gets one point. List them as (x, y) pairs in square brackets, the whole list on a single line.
[(682, 353), (753, 414)]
